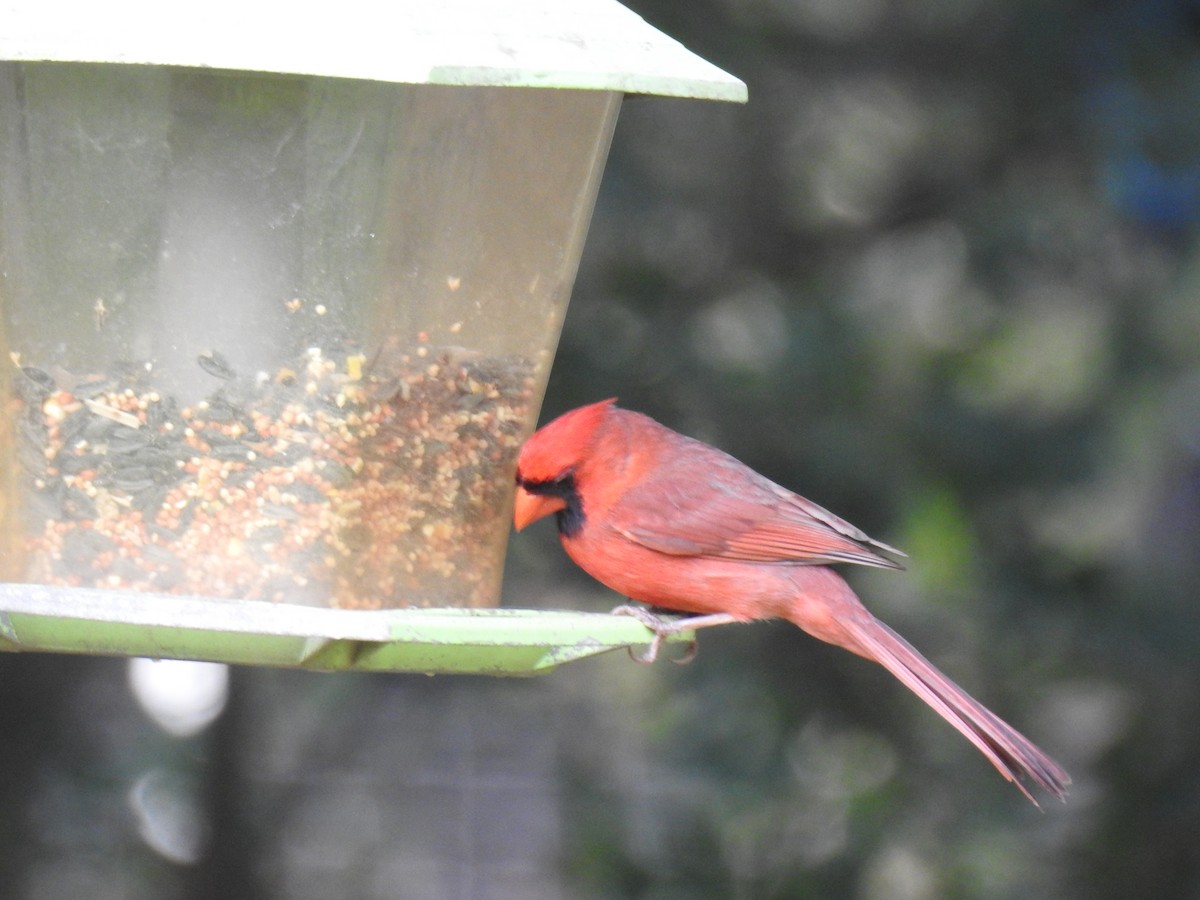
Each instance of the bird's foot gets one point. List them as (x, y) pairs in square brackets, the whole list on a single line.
[(663, 627), (666, 626)]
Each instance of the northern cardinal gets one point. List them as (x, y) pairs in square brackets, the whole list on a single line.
[(674, 523)]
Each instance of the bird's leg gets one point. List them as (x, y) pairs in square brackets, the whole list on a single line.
[(665, 626), (658, 624)]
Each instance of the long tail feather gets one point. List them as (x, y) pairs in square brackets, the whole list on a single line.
[(1013, 754)]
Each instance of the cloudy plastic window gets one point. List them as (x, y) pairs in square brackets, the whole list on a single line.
[(278, 337)]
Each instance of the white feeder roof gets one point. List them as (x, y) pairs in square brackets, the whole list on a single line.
[(590, 44)]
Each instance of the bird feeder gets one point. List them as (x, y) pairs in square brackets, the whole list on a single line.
[(280, 292)]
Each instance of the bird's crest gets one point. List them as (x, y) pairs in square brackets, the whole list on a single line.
[(562, 444)]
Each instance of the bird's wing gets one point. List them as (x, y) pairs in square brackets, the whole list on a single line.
[(706, 503)]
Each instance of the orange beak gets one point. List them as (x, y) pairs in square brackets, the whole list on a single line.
[(529, 507)]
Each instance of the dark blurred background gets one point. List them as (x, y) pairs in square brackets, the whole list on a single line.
[(941, 276)]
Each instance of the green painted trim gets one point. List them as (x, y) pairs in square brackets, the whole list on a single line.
[(39, 618)]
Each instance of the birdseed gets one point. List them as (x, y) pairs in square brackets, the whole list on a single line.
[(335, 480)]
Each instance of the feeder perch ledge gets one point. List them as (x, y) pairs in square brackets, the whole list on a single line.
[(245, 632)]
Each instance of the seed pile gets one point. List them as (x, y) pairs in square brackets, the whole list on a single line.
[(332, 481)]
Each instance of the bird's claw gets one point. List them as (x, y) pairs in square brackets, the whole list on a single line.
[(663, 627), (651, 654), (689, 653)]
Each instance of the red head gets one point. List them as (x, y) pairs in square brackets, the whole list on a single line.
[(547, 463)]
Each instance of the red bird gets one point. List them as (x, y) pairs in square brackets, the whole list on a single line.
[(675, 523)]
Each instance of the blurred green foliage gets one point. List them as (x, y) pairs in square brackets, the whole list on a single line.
[(941, 276)]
